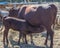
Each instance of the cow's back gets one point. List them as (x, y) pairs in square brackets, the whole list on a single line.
[(42, 15)]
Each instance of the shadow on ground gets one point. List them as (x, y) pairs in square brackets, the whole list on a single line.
[(22, 45)]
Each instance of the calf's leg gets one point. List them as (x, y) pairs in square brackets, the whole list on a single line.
[(5, 35), (46, 38), (20, 35)]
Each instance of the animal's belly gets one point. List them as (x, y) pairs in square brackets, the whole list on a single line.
[(36, 29)]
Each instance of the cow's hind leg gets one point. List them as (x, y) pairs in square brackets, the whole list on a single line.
[(51, 33), (51, 37)]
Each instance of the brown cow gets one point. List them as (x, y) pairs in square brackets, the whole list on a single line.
[(40, 15)]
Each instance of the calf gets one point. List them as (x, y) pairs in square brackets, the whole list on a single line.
[(20, 25), (12, 23)]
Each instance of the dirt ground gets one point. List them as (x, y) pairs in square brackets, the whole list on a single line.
[(38, 39)]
